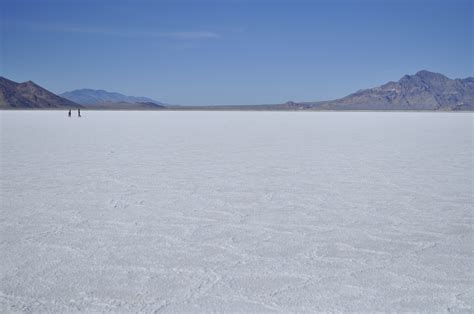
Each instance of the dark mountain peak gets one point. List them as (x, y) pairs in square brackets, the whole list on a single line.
[(30, 84), (29, 95), (4, 82), (423, 78), (424, 90), (469, 79), (4, 79), (426, 73)]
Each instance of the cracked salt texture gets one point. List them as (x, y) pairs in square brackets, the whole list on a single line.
[(236, 211)]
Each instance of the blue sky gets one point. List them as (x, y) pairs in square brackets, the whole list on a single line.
[(232, 52)]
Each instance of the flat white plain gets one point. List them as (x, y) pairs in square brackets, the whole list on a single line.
[(236, 211)]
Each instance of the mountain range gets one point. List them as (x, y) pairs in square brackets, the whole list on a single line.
[(98, 97), (421, 91), (28, 95)]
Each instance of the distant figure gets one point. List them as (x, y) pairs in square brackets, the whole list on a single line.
[(69, 114), (79, 113)]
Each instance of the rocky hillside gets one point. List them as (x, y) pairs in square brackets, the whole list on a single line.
[(422, 91), (28, 95)]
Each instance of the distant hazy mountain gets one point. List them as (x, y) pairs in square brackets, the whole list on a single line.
[(423, 91), (122, 105), (97, 97), (29, 95)]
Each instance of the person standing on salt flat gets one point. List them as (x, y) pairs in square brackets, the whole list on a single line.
[(79, 113), (69, 113)]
